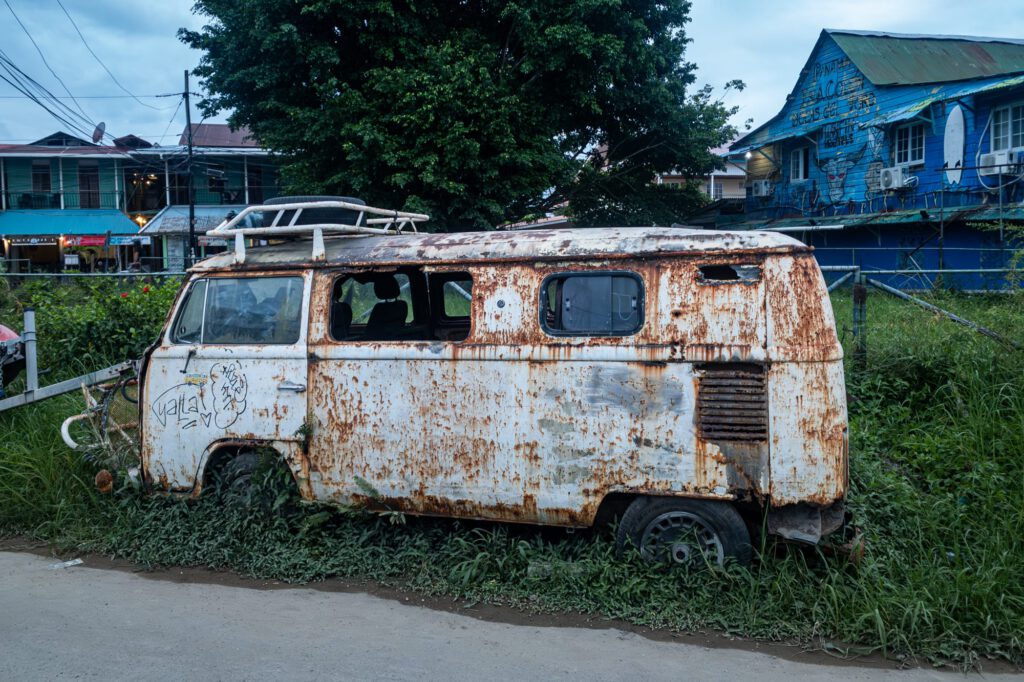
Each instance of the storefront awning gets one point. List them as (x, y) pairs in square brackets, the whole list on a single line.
[(80, 221), (174, 219)]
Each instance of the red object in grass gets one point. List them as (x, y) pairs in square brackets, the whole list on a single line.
[(124, 295), (145, 290)]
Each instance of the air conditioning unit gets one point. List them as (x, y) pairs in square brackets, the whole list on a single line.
[(999, 163), (762, 188), (893, 178)]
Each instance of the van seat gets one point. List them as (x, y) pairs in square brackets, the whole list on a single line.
[(387, 319)]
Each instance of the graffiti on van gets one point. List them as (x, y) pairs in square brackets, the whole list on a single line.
[(229, 387), (184, 405)]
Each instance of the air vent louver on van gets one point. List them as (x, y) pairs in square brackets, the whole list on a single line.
[(732, 402)]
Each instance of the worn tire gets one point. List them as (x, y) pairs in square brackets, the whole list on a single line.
[(313, 216), (235, 477), (684, 531)]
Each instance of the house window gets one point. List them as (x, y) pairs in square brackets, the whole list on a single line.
[(1008, 128), (910, 144), (799, 164), (217, 181), (592, 304), (88, 184), (40, 176)]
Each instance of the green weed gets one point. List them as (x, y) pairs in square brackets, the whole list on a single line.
[(937, 466)]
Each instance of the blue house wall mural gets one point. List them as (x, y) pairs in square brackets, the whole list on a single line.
[(895, 152)]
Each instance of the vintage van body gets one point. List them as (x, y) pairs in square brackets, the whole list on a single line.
[(686, 377)]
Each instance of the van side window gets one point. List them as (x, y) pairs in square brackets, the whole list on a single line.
[(241, 310), (592, 304), (451, 297), (379, 306)]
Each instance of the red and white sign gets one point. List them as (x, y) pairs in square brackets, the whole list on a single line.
[(85, 240)]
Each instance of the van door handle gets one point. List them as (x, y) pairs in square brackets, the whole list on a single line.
[(290, 386)]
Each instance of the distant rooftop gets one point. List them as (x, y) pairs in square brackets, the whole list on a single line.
[(909, 59), (218, 135)]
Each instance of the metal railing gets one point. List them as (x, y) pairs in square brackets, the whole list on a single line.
[(73, 199), (860, 281)]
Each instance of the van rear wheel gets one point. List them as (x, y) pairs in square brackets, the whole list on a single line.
[(676, 530)]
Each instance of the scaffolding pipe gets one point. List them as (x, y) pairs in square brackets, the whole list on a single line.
[(841, 281), (935, 309)]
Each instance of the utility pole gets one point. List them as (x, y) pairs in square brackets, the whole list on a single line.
[(191, 187)]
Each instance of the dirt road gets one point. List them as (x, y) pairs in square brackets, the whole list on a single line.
[(86, 623)]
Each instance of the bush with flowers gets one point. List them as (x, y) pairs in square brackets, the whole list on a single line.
[(87, 324)]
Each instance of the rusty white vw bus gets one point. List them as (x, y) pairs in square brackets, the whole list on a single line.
[(690, 381)]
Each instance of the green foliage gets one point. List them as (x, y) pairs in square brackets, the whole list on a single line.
[(937, 432), (92, 323), (477, 113), (627, 196)]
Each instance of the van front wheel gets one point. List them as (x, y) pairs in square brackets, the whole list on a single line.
[(675, 530)]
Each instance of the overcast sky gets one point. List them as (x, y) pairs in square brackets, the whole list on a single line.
[(762, 42)]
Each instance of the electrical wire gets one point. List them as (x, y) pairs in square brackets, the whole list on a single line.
[(176, 110), (17, 83), (43, 57), (100, 61)]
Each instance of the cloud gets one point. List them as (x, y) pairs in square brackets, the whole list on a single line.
[(763, 43), (137, 43)]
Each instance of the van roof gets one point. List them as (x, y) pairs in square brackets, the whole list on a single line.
[(464, 247)]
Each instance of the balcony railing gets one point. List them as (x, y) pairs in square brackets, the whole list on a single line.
[(72, 200), (78, 199)]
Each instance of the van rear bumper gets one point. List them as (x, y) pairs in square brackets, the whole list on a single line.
[(804, 522)]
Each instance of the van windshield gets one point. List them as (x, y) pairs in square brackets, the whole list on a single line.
[(242, 310)]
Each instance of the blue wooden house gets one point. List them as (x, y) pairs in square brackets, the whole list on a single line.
[(896, 152)]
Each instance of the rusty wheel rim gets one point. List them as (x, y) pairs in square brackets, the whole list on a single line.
[(680, 537)]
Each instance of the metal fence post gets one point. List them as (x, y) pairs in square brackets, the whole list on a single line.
[(31, 364), (860, 318)]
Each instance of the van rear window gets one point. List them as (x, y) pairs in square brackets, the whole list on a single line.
[(592, 304), (241, 310)]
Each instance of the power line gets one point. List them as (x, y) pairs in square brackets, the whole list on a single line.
[(28, 86), (100, 61), (92, 97), (43, 57), (161, 138)]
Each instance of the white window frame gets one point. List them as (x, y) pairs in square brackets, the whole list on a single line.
[(904, 149), (799, 160), (1008, 130)]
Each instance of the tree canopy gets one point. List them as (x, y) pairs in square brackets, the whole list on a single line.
[(475, 111)]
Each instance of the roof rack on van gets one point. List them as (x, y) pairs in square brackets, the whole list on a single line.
[(387, 222)]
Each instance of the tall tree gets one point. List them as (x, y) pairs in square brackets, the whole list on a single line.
[(476, 111)]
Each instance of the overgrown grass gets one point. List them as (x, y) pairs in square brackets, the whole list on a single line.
[(937, 464)]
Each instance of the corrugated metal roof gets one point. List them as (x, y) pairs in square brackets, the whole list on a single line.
[(72, 221), (900, 59), (218, 135), (946, 93), (980, 213), (174, 219), (43, 152)]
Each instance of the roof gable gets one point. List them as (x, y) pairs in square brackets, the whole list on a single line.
[(60, 139), (829, 91), (901, 59)]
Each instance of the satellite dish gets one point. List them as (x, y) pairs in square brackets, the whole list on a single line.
[(97, 134)]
